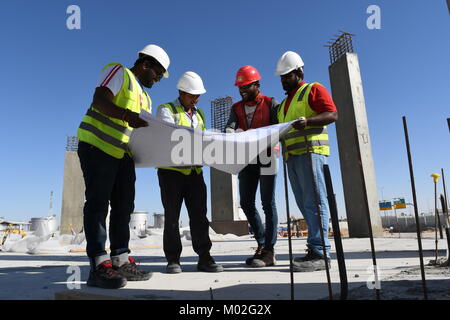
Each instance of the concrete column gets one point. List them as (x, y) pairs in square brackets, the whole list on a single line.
[(73, 195), (224, 205), (355, 151)]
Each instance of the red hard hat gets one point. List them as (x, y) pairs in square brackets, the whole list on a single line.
[(246, 75)]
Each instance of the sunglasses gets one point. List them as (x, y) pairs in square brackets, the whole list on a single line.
[(158, 75), (246, 86)]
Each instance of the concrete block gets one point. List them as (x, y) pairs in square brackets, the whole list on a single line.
[(223, 196), (239, 228), (73, 195), (355, 151)]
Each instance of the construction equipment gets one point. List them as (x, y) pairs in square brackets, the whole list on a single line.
[(10, 229)]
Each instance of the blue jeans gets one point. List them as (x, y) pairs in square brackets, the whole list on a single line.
[(302, 184), (248, 184)]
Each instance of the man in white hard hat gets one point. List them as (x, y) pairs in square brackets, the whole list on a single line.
[(185, 183), (108, 167), (306, 148)]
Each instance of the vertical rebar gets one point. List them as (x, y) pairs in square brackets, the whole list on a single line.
[(436, 220), (416, 213), (445, 196), (336, 232), (369, 222), (447, 232), (319, 217), (291, 269)]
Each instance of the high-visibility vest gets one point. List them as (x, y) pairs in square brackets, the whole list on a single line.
[(181, 119), (261, 117), (109, 134), (312, 138)]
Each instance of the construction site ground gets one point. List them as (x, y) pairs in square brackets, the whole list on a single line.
[(47, 277)]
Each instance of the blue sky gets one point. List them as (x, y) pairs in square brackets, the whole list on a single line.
[(49, 74)]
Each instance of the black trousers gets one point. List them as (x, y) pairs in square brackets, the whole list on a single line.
[(109, 181), (176, 188)]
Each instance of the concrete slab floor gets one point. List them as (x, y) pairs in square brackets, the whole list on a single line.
[(39, 277)]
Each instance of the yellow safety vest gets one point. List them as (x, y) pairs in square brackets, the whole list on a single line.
[(294, 142), (109, 134), (181, 119)]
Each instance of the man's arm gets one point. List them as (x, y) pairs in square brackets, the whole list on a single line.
[(232, 122), (102, 101), (274, 111), (165, 114)]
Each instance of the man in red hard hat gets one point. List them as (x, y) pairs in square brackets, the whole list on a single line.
[(255, 111)]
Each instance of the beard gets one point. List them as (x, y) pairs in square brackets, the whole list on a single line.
[(288, 87), (248, 97)]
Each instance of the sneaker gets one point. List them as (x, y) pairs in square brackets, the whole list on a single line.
[(131, 272), (206, 263), (173, 267), (266, 259), (104, 276), (311, 262), (257, 255)]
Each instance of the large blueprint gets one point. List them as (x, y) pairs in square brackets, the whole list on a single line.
[(165, 144)]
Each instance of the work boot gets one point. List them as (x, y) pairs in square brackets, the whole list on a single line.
[(266, 259), (173, 267), (312, 261), (206, 263), (257, 255), (131, 272), (309, 254), (104, 276)]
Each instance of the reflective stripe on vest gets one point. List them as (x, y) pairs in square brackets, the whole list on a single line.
[(311, 138), (181, 119), (109, 134)]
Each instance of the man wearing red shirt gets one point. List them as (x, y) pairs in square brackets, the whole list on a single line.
[(306, 148)]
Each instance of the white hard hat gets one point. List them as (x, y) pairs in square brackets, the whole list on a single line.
[(289, 61), (191, 82), (159, 54)]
